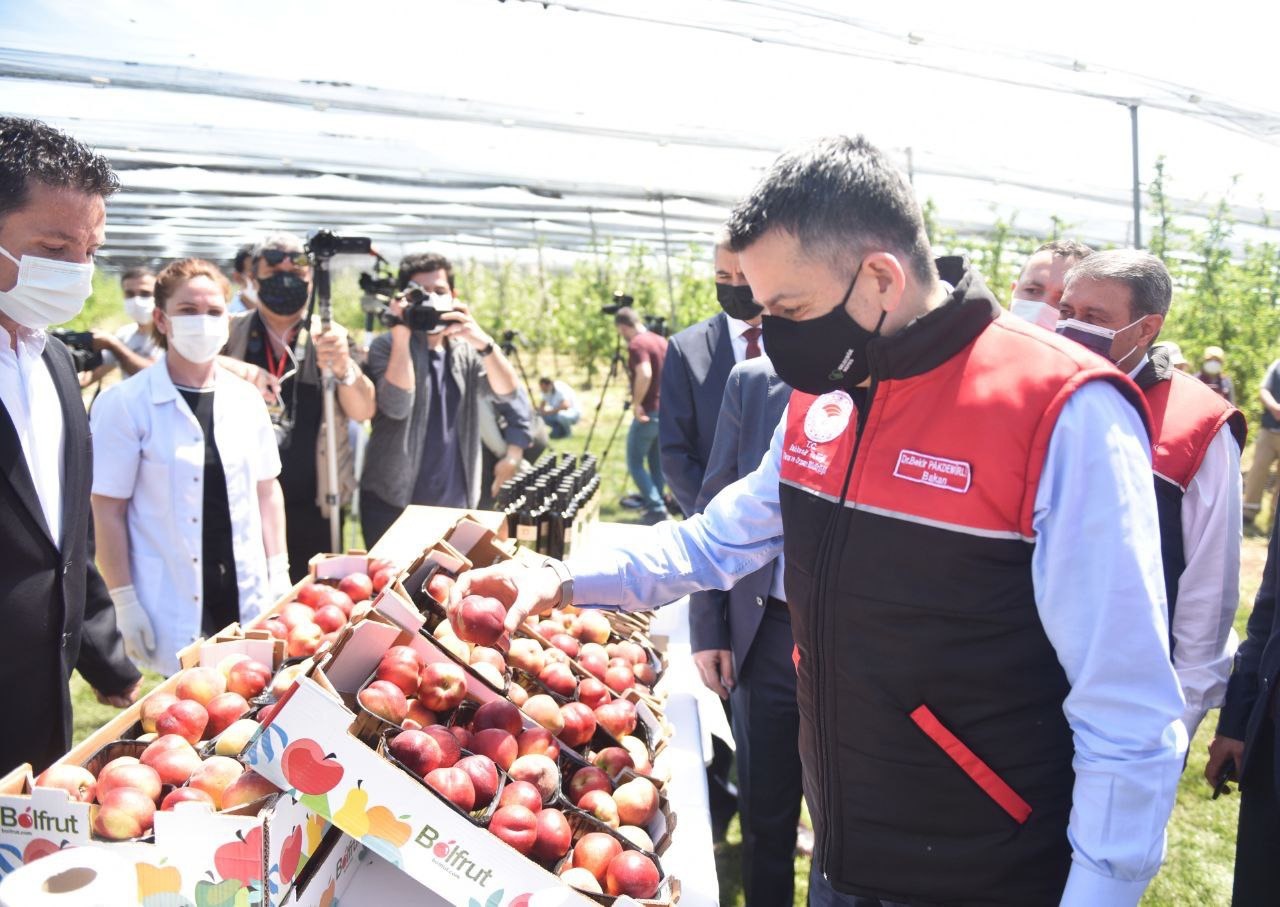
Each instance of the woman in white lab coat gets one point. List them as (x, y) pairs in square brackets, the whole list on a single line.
[(188, 513)]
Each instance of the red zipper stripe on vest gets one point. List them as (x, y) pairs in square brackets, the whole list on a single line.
[(981, 773)]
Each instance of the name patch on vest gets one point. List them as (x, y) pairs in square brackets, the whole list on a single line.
[(953, 475)]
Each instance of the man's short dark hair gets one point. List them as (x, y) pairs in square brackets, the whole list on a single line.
[(545, 380), (135, 273), (840, 198), (244, 258), (1065, 248), (627, 317), (31, 151), (423, 262), (1148, 280)]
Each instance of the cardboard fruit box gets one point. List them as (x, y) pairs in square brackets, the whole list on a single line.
[(258, 849), (318, 746)]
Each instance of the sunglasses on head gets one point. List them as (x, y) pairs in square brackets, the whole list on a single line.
[(274, 257)]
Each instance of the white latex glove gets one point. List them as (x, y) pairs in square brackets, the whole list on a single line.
[(133, 623), (278, 582)]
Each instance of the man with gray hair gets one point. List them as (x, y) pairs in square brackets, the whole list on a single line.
[(1115, 303)]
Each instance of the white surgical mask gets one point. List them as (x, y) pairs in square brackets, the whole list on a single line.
[(1212, 367), (48, 291), (198, 338), (1034, 311), (139, 308)]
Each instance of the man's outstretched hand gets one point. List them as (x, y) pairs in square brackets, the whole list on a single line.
[(523, 590)]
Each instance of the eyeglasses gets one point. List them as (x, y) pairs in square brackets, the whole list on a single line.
[(274, 257)]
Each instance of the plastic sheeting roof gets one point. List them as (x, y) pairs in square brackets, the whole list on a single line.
[(485, 125)]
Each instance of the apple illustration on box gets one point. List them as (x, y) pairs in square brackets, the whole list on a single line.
[(308, 769)]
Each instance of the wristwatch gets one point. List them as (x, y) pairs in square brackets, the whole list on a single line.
[(566, 580), (487, 351), (352, 375)]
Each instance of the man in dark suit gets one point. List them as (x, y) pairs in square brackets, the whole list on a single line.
[(743, 642), (699, 359), (57, 614), (698, 363), (1246, 744)]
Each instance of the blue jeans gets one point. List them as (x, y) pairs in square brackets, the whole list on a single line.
[(558, 424), (642, 448)]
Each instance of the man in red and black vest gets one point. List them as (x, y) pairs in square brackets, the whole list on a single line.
[(988, 713), (1116, 302)]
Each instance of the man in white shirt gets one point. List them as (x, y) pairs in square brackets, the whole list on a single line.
[(1115, 302), (57, 614), (559, 407)]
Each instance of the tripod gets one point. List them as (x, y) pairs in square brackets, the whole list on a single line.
[(604, 389)]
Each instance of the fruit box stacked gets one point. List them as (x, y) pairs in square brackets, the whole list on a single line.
[(334, 745), (257, 842)]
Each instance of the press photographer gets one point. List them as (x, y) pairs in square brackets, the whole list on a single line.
[(432, 370), (275, 348)]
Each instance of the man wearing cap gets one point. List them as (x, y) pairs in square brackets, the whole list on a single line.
[(1211, 373), (1115, 302)]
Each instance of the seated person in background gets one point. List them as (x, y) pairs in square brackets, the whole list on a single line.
[(133, 347), (190, 516), (559, 407)]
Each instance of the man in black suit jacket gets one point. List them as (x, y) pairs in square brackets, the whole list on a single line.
[(57, 614), (1247, 744), (698, 362), (747, 630)]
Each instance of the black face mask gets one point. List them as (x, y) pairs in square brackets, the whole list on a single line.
[(737, 301), (283, 293), (821, 354)]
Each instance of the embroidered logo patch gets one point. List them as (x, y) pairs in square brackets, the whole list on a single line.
[(953, 475), (828, 417)]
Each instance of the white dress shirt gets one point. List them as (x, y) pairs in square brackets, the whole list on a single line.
[(31, 399), (737, 334), (149, 450), (1204, 642), (1099, 590)]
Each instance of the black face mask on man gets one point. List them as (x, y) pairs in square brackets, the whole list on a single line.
[(824, 353), (738, 301), (283, 293)]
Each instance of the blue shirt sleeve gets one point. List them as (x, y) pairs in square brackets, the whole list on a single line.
[(1099, 590), (738, 533)]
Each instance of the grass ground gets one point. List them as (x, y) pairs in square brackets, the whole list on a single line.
[(1201, 833)]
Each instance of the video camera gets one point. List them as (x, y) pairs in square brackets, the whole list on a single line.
[(655, 323), (80, 343)]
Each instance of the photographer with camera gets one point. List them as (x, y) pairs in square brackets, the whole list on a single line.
[(276, 349), (190, 517), (432, 370)]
